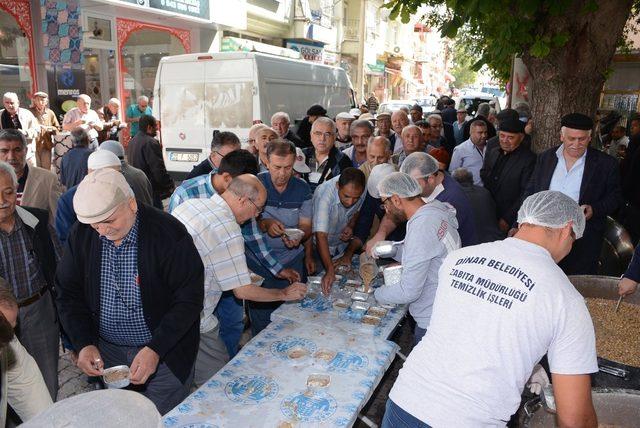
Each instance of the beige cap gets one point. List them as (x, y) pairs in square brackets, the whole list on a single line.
[(102, 159), (41, 94), (383, 114), (99, 195), (366, 116)]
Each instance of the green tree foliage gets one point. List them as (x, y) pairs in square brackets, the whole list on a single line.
[(463, 61)]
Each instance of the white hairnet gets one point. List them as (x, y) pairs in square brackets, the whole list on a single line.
[(550, 208), (399, 183), (424, 163), (378, 172)]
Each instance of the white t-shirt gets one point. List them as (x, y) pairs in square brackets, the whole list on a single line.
[(499, 308)]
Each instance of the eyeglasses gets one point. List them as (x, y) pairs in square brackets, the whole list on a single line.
[(323, 134), (258, 209)]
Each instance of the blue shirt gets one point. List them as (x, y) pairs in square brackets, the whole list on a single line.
[(568, 182), (202, 187), (288, 207), (65, 214), (467, 155), (331, 216), (134, 111), (73, 167), (121, 315)]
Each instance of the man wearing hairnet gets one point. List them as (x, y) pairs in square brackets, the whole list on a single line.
[(500, 307), (431, 235)]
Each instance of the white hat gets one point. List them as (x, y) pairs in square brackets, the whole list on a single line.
[(378, 172), (100, 194), (355, 112), (102, 159), (345, 116), (300, 165)]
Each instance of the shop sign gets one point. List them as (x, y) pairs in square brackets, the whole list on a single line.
[(65, 84), (307, 52), (195, 8), (376, 69)]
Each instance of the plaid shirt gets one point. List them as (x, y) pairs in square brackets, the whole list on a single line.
[(201, 188), (219, 241), (121, 316), (19, 263)]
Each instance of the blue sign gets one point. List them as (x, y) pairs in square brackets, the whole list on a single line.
[(309, 406), (348, 362), (282, 347), (251, 389)]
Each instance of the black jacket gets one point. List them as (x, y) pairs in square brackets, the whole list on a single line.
[(304, 132), (466, 129), (507, 186), (600, 188), (291, 136), (336, 163), (144, 152), (202, 168), (43, 244), (171, 285)]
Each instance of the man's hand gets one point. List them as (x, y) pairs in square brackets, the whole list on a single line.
[(310, 264), (627, 286), (503, 225), (368, 248), (90, 361), (347, 234), (295, 291), (588, 211), (273, 227), (290, 243), (289, 274), (144, 365), (538, 380), (327, 280)]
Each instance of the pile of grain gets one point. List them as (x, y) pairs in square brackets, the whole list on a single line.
[(617, 334)]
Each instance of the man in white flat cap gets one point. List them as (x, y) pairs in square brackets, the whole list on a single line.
[(130, 290)]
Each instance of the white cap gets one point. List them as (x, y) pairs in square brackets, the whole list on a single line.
[(355, 112), (400, 184), (300, 165), (102, 159), (345, 116), (553, 209), (378, 172)]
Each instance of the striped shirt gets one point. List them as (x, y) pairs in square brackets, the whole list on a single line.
[(201, 188), (217, 236), (121, 315)]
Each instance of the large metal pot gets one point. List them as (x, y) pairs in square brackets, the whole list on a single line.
[(617, 249), (612, 374), (615, 407)]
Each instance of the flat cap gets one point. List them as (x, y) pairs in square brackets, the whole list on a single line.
[(41, 94), (512, 125), (316, 110), (345, 116), (577, 121), (507, 113), (99, 195)]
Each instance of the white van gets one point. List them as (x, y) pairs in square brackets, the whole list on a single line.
[(195, 94)]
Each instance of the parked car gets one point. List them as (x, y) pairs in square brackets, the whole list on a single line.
[(395, 105)]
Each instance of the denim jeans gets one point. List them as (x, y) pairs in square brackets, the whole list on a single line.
[(418, 334), (230, 314), (395, 417)]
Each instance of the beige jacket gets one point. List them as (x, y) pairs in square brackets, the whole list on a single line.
[(42, 190), (23, 387), (29, 123)]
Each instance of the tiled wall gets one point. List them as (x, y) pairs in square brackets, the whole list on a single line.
[(62, 33)]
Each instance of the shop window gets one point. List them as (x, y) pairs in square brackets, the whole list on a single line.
[(141, 55), (15, 75)]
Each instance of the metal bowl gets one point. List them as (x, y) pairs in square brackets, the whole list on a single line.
[(120, 383)]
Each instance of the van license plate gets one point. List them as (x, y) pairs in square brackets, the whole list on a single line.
[(183, 157)]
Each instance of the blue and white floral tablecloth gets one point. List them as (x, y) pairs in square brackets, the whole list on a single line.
[(264, 386)]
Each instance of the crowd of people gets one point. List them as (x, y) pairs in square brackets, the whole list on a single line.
[(131, 270)]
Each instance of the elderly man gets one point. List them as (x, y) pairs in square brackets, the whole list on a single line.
[(28, 259), (304, 127), (222, 143), (15, 117), (411, 142), (111, 123), (461, 118), (263, 137), (431, 235), (214, 224), (135, 112), (136, 178), (378, 151), (504, 295), (343, 125), (436, 140), (37, 187), (73, 167), (482, 205), (230, 311), (470, 154), (506, 171), (144, 152), (289, 206), (415, 113), (323, 158), (280, 122), (130, 290), (435, 185), (589, 177), (361, 131), (383, 122), (49, 126), (335, 207), (399, 119), (82, 116)]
